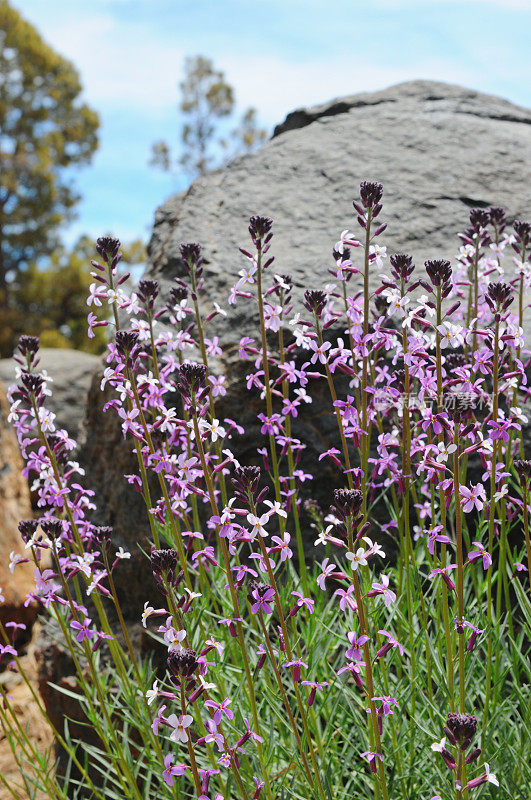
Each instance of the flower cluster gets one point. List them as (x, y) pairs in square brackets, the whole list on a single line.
[(425, 374)]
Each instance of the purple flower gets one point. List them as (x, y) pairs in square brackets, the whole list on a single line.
[(296, 668), (84, 630), (392, 642), (474, 555), (444, 575), (172, 769), (220, 709), (382, 588), (314, 687), (262, 601), (435, 535), (354, 652), (386, 702), (301, 601), (371, 758)]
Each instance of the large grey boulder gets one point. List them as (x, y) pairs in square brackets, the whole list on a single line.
[(438, 149)]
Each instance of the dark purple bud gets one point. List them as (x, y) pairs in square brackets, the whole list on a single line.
[(523, 470), (191, 255), (475, 754), (401, 266), (27, 528), (182, 664), (102, 534), (497, 217), (52, 528), (449, 760), (462, 727), (191, 379), (108, 247), (479, 218), (127, 346), (260, 230), (439, 271), (314, 301), (164, 564), (245, 481), (371, 193), (498, 296), (28, 347), (148, 291), (522, 231)]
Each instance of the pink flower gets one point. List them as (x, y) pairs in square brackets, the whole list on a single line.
[(319, 351), (473, 498)]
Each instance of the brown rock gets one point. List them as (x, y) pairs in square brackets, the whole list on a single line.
[(14, 506)]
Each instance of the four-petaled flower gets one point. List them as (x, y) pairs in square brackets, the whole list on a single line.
[(357, 559), (179, 725)]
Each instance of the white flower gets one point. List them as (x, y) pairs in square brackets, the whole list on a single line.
[(438, 747), (152, 694), (121, 553), (215, 430), (356, 559), (173, 639), (374, 549), (46, 419), (2, 598), (501, 493), (179, 725), (258, 524), (491, 777), (444, 451), (84, 563), (518, 414), (451, 334), (146, 613), (379, 254), (97, 577), (276, 508), (14, 559)]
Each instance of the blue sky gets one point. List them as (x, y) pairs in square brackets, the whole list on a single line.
[(278, 54)]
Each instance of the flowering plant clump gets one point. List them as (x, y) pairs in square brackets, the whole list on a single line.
[(285, 675)]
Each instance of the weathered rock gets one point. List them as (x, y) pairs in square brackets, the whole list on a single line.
[(437, 149), (71, 371), (14, 506)]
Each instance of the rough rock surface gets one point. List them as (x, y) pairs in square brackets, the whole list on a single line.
[(71, 371), (14, 506), (438, 149)]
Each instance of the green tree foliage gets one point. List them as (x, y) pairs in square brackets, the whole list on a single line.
[(50, 300), (207, 98), (44, 131)]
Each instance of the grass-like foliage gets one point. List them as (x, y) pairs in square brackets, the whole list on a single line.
[(393, 663)]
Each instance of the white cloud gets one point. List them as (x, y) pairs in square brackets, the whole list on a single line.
[(277, 86), (128, 67)]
